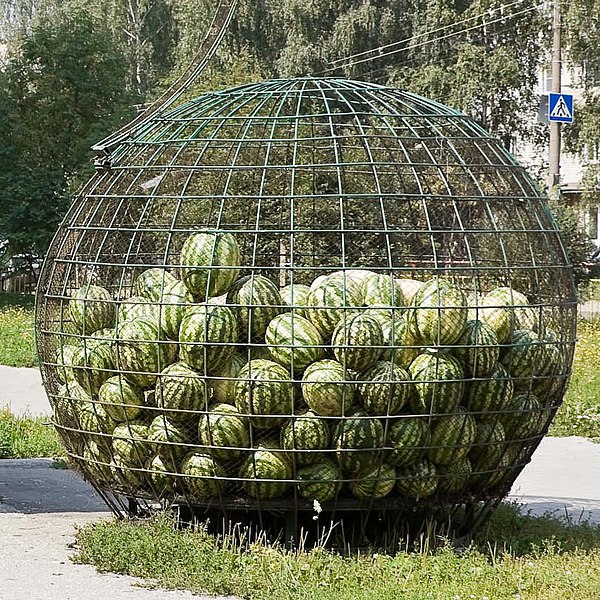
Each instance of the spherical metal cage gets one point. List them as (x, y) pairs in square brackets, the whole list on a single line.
[(306, 290)]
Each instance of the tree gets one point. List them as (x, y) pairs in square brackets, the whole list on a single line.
[(61, 91)]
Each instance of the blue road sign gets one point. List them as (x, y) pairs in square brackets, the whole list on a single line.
[(560, 107)]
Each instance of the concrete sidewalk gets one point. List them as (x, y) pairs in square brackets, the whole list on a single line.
[(40, 506)]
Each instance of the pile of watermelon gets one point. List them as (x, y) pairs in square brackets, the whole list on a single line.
[(204, 381)]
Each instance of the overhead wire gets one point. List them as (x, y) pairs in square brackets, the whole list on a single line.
[(342, 64)]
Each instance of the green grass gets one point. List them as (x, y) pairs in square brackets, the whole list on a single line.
[(580, 412), (17, 342), (516, 557), (27, 437)]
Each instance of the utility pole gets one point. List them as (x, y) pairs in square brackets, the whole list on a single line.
[(554, 150)]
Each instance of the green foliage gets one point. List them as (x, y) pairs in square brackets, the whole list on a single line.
[(26, 437), (17, 345), (516, 557)]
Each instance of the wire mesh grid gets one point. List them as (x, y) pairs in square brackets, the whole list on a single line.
[(308, 294)]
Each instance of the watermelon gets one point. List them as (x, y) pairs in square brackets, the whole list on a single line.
[(505, 309), (96, 460), (379, 289), (140, 354), (334, 298), (409, 288), (408, 438), (384, 389), (439, 313), (173, 302), (121, 399), (523, 417), (92, 364), (418, 480), (328, 388), (161, 476), (130, 444), (200, 475), (491, 474), (208, 336), (491, 394), (92, 308), (439, 382), (92, 418), (266, 472), (305, 436), (356, 275), (489, 444), (223, 383), (294, 296), (150, 285), (126, 477), (67, 404), (374, 482), (169, 439), (477, 348), (294, 342), (320, 481), (137, 307), (358, 441), (181, 392), (264, 391), (358, 342), (210, 263), (552, 370), (64, 362), (455, 476), (257, 302), (404, 346), (523, 356), (452, 437), (223, 432)]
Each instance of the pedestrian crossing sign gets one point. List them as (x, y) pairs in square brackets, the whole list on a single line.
[(560, 107)]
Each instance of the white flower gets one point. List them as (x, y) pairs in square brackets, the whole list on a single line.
[(317, 507)]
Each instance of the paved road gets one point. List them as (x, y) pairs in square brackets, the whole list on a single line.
[(40, 506)]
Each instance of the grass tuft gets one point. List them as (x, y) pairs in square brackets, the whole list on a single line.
[(515, 557), (28, 437), (17, 339)]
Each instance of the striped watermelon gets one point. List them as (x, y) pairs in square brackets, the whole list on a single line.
[(294, 342), (374, 482), (150, 284), (161, 476), (224, 432), (455, 476), (305, 436), (92, 308), (139, 352), (358, 441), (169, 440), (126, 477), (491, 394), (266, 472), (172, 307), (92, 418), (208, 336), (439, 313), (384, 389), (121, 399), (96, 461), (210, 263), (358, 342), (67, 404), (181, 392), (264, 391), (130, 442), (379, 289), (523, 355), (294, 296), (200, 475), (523, 417), (489, 444), (64, 362), (408, 439), (418, 480), (409, 288), (223, 383), (320, 481), (439, 381), (92, 365), (477, 348), (490, 475), (257, 302), (404, 346), (452, 437), (335, 297), (552, 370), (328, 388), (137, 307)]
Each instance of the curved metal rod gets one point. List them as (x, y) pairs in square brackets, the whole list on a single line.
[(222, 18)]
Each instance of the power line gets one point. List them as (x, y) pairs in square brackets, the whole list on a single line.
[(431, 41)]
